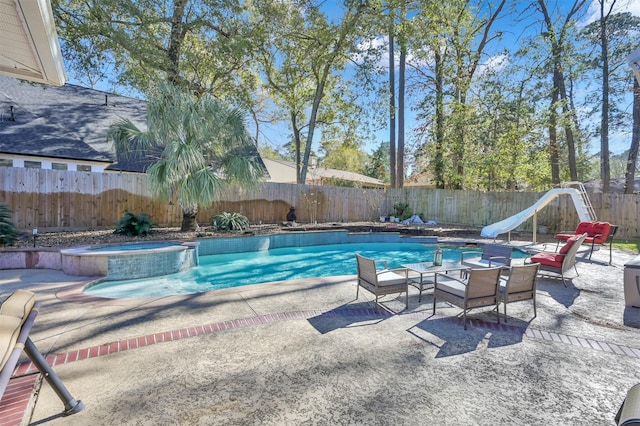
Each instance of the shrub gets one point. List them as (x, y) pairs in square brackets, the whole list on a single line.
[(402, 211), (133, 225), (230, 221), (8, 232)]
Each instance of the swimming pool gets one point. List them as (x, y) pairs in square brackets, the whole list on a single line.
[(238, 269)]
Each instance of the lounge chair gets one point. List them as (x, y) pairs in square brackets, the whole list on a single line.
[(381, 282), (629, 412), (562, 261), (17, 315), (521, 285), (492, 255), (598, 234), (479, 290)]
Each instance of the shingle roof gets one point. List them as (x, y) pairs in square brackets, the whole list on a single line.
[(68, 122)]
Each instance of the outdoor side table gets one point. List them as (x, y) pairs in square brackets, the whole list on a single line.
[(423, 269)]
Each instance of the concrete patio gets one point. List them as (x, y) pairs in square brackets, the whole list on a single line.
[(307, 352)]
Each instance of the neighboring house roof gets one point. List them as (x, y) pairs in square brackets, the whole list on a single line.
[(30, 48), (285, 172), (68, 122)]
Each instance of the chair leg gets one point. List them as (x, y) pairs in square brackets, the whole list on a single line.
[(464, 318), (534, 308), (505, 310), (498, 311), (434, 303), (407, 298), (357, 290)]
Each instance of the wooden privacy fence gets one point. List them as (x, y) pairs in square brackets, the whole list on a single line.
[(60, 199)]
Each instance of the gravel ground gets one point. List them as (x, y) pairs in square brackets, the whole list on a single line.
[(64, 239)]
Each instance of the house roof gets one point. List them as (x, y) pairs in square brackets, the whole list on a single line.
[(285, 172), (69, 121), (30, 48)]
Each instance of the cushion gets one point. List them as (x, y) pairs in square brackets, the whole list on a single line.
[(565, 248), (388, 278), (452, 286), (548, 259), (584, 227), (10, 327), (19, 304), (600, 228)]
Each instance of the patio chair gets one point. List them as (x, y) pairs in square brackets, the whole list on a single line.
[(560, 262), (598, 234), (381, 282), (521, 285), (17, 315), (492, 255), (629, 412), (479, 290)]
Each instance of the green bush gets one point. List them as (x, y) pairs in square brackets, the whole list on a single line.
[(8, 232), (133, 225), (402, 211), (230, 221)]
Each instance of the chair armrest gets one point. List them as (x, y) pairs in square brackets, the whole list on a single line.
[(468, 252), (449, 277), (399, 271), (506, 259)]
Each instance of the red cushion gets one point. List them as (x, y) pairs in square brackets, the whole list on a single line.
[(564, 236), (581, 229), (600, 228), (584, 227), (548, 259), (565, 248)]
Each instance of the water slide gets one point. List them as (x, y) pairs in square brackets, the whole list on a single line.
[(511, 223)]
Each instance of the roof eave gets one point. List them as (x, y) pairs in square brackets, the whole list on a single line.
[(37, 22)]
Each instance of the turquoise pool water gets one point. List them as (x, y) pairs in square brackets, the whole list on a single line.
[(239, 269)]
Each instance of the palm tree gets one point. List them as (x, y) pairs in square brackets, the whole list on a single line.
[(195, 145)]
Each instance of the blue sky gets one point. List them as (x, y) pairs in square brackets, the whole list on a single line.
[(278, 135)]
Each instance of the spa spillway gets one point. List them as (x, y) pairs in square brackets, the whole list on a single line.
[(130, 260)]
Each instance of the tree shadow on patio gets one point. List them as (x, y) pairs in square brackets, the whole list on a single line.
[(348, 315), (566, 296)]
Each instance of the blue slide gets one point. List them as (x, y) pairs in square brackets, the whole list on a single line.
[(512, 222)]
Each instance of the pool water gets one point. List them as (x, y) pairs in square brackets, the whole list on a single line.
[(239, 269)]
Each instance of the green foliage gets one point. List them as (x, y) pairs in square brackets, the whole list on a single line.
[(378, 164), (402, 211), (8, 232), (134, 225), (230, 221), (202, 147)]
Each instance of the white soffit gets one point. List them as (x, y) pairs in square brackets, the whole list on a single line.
[(634, 62), (29, 48)]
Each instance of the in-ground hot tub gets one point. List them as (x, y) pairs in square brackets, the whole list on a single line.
[(130, 260)]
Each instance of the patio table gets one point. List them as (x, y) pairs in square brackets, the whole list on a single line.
[(428, 268)]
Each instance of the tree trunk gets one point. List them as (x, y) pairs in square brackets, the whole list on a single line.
[(605, 170), (554, 158), (439, 136), (630, 175), (392, 111), (400, 153), (189, 222)]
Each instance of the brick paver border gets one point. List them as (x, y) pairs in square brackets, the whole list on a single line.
[(17, 397)]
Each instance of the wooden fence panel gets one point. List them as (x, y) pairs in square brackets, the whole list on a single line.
[(60, 199)]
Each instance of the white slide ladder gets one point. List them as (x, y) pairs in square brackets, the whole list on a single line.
[(580, 201), (585, 198)]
